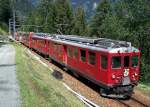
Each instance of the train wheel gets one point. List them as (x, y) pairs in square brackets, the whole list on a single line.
[(103, 92), (127, 96)]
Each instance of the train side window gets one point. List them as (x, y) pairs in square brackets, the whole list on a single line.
[(104, 62), (69, 52), (76, 52), (126, 61), (92, 58), (116, 62), (135, 61), (83, 55)]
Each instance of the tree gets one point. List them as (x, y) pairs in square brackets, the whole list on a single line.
[(80, 25), (45, 13), (53, 15), (138, 23), (112, 27), (64, 16), (102, 10), (42, 17), (5, 13), (24, 7)]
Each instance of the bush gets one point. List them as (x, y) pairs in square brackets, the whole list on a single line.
[(2, 32), (145, 72), (4, 26)]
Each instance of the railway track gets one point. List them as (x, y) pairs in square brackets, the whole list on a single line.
[(90, 91), (132, 102)]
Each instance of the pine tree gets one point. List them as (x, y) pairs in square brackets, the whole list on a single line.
[(112, 27), (80, 25), (24, 7), (64, 16), (41, 17), (5, 13), (52, 16), (45, 14), (137, 22), (102, 10)]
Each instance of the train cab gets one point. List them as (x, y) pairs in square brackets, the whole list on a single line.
[(123, 69), (16, 36)]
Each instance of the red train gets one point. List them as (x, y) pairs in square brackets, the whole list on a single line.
[(111, 64)]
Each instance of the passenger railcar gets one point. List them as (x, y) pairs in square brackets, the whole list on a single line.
[(111, 64), (40, 43), (16, 36)]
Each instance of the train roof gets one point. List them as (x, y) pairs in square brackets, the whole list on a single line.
[(99, 44)]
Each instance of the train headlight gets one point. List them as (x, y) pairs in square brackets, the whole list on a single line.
[(126, 72), (135, 74), (113, 76)]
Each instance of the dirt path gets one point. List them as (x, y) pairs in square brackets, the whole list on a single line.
[(9, 89)]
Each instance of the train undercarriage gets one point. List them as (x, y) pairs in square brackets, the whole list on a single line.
[(121, 92)]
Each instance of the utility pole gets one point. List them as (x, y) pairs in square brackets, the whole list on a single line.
[(14, 23), (9, 26), (14, 19)]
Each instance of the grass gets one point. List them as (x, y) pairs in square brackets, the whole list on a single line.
[(38, 88), (145, 88)]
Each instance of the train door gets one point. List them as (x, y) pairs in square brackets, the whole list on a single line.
[(50, 48), (60, 53), (30, 39), (126, 69), (126, 65), (64, 52), (92, 64), (135, 63), (83, 61), (103, 68), (47, 45), (75, 57)]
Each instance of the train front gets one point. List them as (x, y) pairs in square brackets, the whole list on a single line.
[(123, 69)]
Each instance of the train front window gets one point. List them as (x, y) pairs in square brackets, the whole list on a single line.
[(135, 61), (116, 62), (126, 61)]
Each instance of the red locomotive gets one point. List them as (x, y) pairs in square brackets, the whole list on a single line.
[(111, 64)]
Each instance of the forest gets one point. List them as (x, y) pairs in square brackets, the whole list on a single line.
[(127, 20)]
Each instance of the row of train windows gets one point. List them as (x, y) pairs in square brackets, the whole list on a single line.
[(115, 61), (91, 57)]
